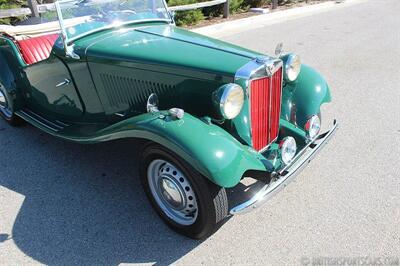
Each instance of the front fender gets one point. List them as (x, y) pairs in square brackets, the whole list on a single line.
[(208, 148), (304, 97)]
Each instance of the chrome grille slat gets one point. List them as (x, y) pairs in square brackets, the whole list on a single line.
[(265, 105)]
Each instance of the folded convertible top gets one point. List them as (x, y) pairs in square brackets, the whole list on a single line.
[(27, 31), (20, 32)]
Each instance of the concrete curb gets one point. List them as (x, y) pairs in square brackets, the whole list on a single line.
[(250, 23)]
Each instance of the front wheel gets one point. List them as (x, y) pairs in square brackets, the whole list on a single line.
[(184, 199)]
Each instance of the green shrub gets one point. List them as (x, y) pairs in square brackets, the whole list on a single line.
[(213, 11), (8, 4), (189, 17), (257, 3), (192, 17), (235, 5), (260, 3)]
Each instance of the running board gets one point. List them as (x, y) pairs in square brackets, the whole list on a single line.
[(40, 121)]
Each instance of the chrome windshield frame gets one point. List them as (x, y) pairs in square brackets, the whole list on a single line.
[(69, 41)]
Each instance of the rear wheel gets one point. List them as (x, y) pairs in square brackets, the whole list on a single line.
[(6, 108), (184, 199)]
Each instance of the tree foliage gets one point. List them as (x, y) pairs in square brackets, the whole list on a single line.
[(8, 4)]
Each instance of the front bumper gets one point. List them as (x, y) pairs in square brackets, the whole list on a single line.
[(287, 174)]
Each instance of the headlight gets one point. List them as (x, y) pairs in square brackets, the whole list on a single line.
[(312, 127), (288, 149), (230, 98), (292, 67)]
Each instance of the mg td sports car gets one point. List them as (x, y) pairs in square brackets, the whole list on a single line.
[(210, 113)]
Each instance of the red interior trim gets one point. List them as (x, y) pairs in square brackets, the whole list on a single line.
[(36, 49)]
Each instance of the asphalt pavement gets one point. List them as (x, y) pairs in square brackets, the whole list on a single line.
[(63, 203)]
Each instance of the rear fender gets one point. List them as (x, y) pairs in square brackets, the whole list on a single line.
[(7, 77), (208, 148), (304, 97), (11, 64), (8, 80), (10, 48)]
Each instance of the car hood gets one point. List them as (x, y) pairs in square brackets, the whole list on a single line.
[(167, 45)]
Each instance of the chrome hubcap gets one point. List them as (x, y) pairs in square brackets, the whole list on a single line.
[(2, 100), (4, 108), (172, 192)]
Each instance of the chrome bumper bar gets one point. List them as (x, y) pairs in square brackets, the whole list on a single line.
[(287, 174)]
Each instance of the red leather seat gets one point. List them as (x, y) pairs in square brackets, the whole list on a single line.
[(37, 49)]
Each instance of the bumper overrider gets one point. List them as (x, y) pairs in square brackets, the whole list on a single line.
[(284, 176)]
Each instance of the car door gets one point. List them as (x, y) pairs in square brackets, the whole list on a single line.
[(51, 92)]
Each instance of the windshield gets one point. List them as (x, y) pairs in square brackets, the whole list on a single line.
[(82, 17)]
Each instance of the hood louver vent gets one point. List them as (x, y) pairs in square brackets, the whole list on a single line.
[(125, 93)]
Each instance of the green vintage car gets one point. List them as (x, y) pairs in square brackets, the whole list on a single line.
[(209, 113)]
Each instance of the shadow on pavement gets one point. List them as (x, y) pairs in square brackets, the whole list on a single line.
[(83, 204)]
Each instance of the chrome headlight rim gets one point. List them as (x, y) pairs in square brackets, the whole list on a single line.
[(292, 67), (288, 149), (228, 91), (312, 127)]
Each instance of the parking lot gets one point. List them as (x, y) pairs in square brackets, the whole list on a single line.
[(63, 203)]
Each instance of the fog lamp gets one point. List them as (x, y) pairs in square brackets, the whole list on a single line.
[(312, 127), (288, 149)]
